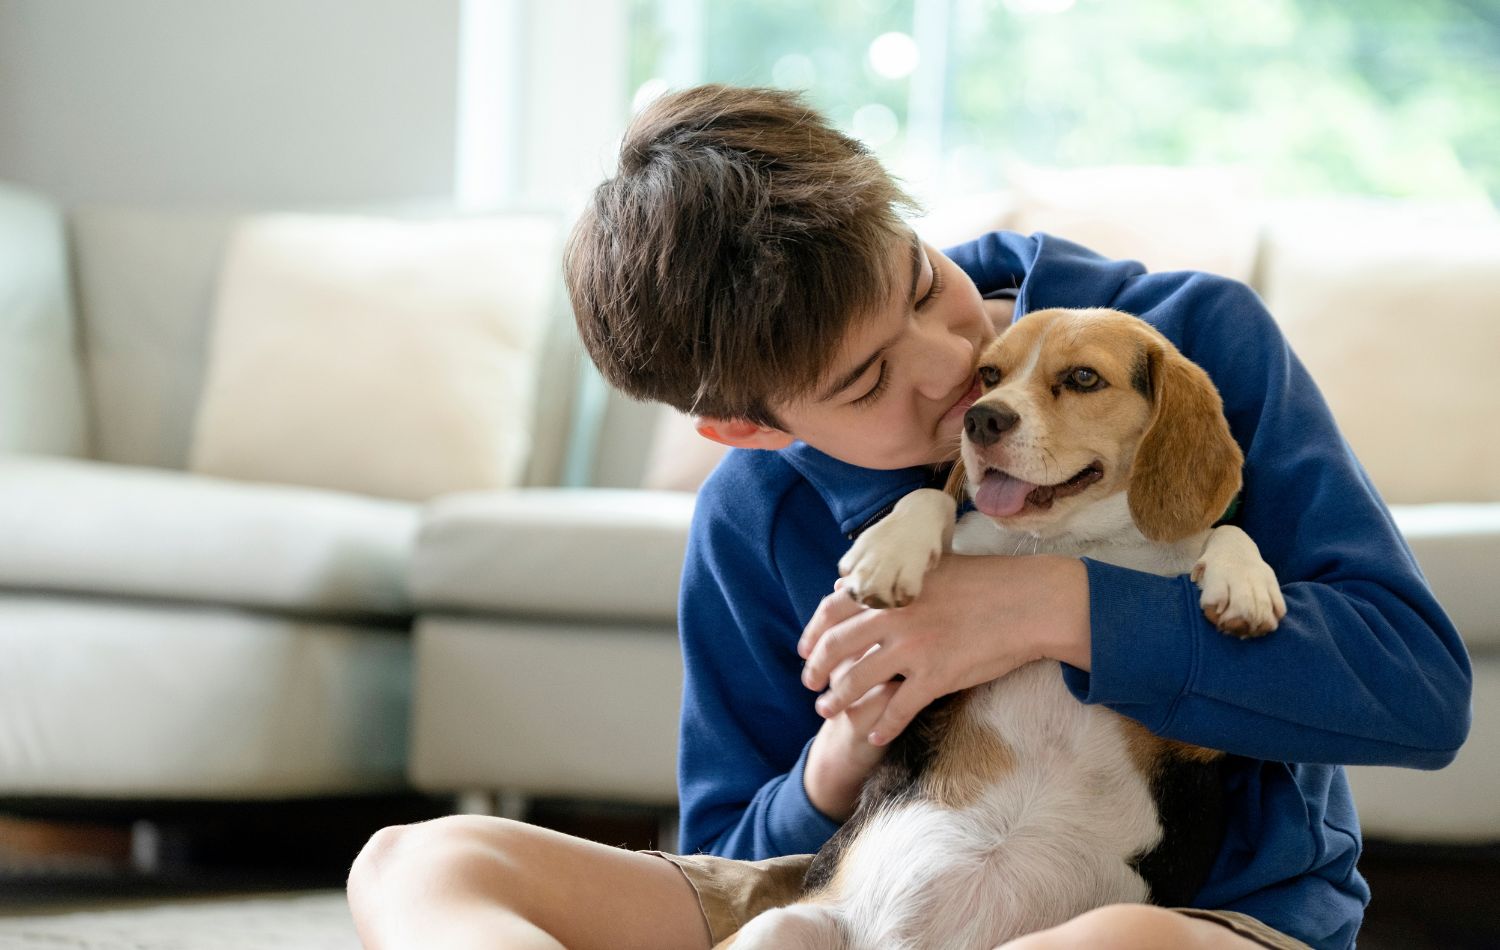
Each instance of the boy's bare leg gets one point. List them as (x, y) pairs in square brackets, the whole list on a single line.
[(1133, 927), (468, 881)]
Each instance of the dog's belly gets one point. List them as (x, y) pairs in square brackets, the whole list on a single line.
[(1049, 838)]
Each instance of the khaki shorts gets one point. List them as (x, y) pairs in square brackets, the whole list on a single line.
[(731, 892)]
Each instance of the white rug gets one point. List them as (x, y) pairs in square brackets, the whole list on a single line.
[(312, 921)]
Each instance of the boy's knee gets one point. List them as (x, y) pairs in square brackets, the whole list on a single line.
[(427, 849), (376, 854)]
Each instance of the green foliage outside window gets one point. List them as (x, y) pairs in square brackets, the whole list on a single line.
[(1395, 98)]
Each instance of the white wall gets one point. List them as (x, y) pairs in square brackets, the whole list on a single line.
[(229, 101)]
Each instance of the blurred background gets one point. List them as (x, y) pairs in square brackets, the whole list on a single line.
[(1382, 98), (300, 462), (339, 100)]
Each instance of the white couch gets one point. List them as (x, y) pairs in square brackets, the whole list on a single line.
[(166, 634)]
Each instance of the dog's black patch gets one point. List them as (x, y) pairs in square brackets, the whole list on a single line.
[(1190, 803), (1140, 375), (893, 782)]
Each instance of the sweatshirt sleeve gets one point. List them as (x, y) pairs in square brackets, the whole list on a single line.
[(1366, 668), (746, 718)]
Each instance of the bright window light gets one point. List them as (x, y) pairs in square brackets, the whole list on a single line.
[(1390, 99), (894, 55), (875, 124), (794, 71)]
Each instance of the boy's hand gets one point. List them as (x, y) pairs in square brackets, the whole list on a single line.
[(977, 619), (841, 757)]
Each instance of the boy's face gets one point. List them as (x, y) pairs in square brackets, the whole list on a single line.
[(896, 392)]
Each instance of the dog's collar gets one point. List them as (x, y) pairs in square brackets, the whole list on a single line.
[(1231, 511)]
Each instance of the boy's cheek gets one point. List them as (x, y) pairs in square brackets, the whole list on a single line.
[(1001, 313)]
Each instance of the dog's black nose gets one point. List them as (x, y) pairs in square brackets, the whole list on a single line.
[(985, 424)]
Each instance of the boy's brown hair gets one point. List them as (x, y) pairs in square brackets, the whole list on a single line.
[(719, 269)]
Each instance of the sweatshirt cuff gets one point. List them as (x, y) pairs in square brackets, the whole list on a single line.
[(794, 824), (1144, 643)]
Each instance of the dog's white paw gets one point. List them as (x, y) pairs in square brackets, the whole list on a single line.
[(886, 570), (891, 558), (1240, 593)]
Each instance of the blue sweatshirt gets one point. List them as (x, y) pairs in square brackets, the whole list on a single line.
[(1365, 669)]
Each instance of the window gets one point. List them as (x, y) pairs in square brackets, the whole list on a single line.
[(1383, 97)]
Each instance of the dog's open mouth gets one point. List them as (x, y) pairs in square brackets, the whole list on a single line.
[(1001, 495)]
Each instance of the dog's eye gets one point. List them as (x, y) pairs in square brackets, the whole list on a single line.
[(1084, 379), (989, 376)]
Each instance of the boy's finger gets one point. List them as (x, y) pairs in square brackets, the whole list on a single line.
[(866, 711), (899, 713), (873, 669), (833, 609), (846, 641)]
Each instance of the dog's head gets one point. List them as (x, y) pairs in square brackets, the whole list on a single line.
[(1079, 405)]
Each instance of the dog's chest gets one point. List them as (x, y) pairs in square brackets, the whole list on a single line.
[(1071, 772), (1049, 836)]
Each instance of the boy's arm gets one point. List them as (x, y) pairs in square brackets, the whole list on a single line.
[(747, 724)]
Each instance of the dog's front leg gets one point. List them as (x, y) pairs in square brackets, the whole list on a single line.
[(1240, 592), (887, 563)]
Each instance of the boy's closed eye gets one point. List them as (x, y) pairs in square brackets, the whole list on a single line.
[(876, 390), (934, 288)]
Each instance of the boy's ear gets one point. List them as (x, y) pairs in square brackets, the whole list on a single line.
[(741, 434)]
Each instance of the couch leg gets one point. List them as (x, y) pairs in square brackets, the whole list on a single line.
[(666, 831), (506, 803), (474, 802), (512, 804)]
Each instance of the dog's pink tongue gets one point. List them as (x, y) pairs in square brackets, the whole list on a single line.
[(1000, 496)]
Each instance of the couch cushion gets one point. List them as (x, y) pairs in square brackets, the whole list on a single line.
[(41, 387), (1394, 312), (100, 528), (388, 357), (554, 552), (1167, 218), (680, 458), (145, 282), (120, 699), (563, 708)]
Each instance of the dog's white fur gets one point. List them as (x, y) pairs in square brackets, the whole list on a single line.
[(1052, 836)]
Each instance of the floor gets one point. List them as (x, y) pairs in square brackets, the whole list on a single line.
[(312, 920), (1424, 898)]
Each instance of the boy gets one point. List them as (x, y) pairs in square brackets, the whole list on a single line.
[(747, 265)]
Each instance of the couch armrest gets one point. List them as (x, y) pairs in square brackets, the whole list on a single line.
[(41, 387), (553, 552)]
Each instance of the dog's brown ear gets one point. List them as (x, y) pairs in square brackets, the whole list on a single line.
[(1187, 469), (957, 486)]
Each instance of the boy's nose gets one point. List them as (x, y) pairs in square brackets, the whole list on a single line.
[(950, 361)]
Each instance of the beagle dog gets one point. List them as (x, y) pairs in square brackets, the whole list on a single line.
[(1011, 807)]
